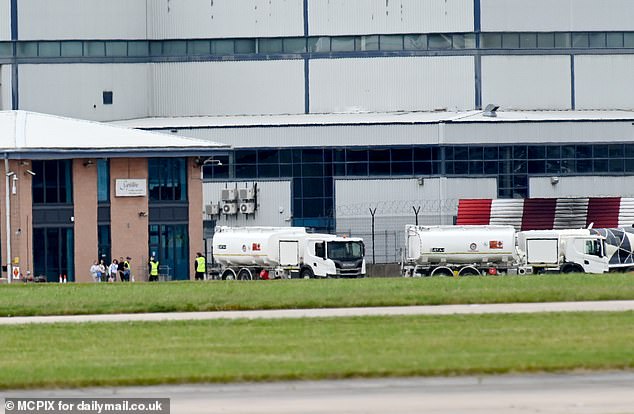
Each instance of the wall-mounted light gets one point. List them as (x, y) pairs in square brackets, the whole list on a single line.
[(199, 161), (88, 163), (142, 214), (554, 180), (30, 172)]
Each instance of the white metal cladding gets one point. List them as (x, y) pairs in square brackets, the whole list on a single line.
[(526, 82), (77, 90), (626, 212), (348, 17), (5, 88), (318, 136), (395, 201), (559, 15), (392, 84), (582, 186), (5, 20), (507, 212), (174, 19), (539, 132), (571, 213), (273, 199), (82, 19), (227, 88), (604, 82)]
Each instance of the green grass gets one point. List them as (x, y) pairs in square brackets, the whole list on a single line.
[(67, 299), (93, 354)]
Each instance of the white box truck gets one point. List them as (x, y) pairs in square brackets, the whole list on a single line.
[(248, 253), (477, 250)]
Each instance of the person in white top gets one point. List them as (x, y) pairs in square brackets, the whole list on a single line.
[(112, 271), (94, 271)]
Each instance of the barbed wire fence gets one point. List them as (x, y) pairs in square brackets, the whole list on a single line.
[(381, 224)]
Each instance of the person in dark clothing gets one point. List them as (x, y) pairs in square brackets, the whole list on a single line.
[(121, 269)]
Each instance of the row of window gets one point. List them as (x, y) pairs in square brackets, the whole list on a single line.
[(321, 44), (52, 182)]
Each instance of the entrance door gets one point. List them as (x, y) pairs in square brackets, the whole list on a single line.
[(53, 253), (169, 243)]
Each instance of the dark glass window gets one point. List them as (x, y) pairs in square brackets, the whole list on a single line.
[(54, 247), (167, 179), (103, 180), (104, 243), (52, 182)]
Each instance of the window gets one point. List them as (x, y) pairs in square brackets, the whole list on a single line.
[(107, 97), (391, 42), (366, 43), (167, 179), (103, 180), (342, 44), (198, 47), (49, 49), (270, 46), (118, 48), (95, 49), (415, 42), (294, 45), (72, 49), (439, 41), (52, 182)]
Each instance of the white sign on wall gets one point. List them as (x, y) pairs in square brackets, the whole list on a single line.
[(131, 188)]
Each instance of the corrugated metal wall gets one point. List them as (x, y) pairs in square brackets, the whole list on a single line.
[(77, 90), (224, 18), (82, 19), (559, 15), (604, 82), (392, 84), (395, 201), (582, 186), (347, 17), (343, 135), (274, 203), (5, 20), (227, 88), (526, 82), (5, 88), (538, 132)]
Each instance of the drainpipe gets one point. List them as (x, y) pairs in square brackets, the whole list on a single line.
[(8, 216)]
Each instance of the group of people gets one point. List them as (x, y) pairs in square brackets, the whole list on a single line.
[(121, 269), (117, 269)]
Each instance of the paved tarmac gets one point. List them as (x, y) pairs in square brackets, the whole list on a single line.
[(598, 306), (588, 393)]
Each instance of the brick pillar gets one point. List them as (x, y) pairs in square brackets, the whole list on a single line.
[(85, 213), (129, 216), (195, 198)]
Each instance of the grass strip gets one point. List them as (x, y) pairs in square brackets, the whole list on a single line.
[(72, 299), (94, 354)]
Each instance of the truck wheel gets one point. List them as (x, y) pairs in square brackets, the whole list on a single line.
[(307, 274), (245, 274), (229, 274), (571, 268)]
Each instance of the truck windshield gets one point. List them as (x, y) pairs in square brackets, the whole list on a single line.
[(348, 250)]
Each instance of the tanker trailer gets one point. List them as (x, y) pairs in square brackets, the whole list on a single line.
[(248, 253), (458, 250)]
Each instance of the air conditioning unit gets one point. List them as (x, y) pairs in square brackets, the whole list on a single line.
[(246, 193), (229, 194), (230, 208), (212, 209), (247, 208)]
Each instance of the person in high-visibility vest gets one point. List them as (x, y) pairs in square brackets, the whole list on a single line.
[(154, 270), (200, 266)]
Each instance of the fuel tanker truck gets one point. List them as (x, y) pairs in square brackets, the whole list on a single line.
[(491, 249), (249, 253)]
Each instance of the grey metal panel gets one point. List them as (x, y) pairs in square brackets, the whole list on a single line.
[(82, 19), (5, 20), (103, 214), (227, 88), (341, 135), (76, 90), (526, 82), (173, 19), (274, 203), (395, 201), (582, 186), (392, 84), (560, 15), (604, 82), (539, 132), (5, 87), (168, 213), (347, 17), (58, 215)]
